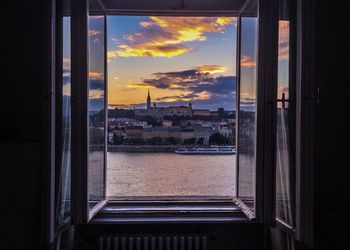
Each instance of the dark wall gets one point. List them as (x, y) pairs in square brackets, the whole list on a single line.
[(25, 63), (221, 236), (331, 129), (24, 75)]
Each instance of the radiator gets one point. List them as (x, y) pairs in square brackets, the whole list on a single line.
[(153, 243)]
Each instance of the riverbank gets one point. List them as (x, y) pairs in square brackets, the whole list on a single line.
[(143, 148)]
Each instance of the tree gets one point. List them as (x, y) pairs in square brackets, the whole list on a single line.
[(221, 112), (134, 141), (170, 141), (155, 140), (217, 139), (200, 141), (117, 140), (190, 141)]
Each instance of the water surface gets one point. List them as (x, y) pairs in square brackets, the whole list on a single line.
[(170, 174)]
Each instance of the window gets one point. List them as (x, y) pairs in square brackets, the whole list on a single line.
[(64, 119), (102, 42), (172, 107), (247, 111), (285, 138), (96, 110)]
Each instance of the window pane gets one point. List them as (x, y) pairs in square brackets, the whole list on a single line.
[(63, 206), (96, 109), (247, 111), (283, 144), (172, 103)]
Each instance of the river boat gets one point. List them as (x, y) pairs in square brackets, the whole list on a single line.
[(211, 150)]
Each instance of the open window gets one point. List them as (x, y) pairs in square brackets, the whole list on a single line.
[(255, 58)]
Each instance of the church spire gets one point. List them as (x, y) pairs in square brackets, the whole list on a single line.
[(148, 103)]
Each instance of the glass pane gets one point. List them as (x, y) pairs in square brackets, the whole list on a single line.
[(247, 111), (96, 109), (63, 207), (172, 107), (283, 144)]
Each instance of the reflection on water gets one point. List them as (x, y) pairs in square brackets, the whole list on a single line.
[(169, 174)]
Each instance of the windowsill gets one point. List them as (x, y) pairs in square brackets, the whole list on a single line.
[(129, 212)]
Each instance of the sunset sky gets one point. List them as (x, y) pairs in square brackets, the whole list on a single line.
[(179, 59)]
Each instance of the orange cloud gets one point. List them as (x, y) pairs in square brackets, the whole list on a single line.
[(148, 50), (96, 94), (211, 69), (247, 62), (165, 36), (94, 74), (139, 86)]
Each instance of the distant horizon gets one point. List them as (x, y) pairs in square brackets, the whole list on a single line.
[(145, 108)]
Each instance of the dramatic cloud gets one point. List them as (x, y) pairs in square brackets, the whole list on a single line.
[(198, 85), (166, 36)]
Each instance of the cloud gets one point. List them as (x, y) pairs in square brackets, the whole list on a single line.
[(94, 32), (96, 17), (211, 69), (66, 66), (166, 36), (95, 74), (198, 86), (96, 84), (247, 62), (283, 37)]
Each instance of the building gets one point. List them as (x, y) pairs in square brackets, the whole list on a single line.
[(201, 112), (160, 112), (178, 111), (187, 133), (167, 123), (203, 132), (133, 132)]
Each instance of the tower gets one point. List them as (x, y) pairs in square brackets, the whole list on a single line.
[(148, 103)]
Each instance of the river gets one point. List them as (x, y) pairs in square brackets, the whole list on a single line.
[(169, 174)]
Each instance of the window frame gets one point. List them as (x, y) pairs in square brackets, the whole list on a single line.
[(265, 120)]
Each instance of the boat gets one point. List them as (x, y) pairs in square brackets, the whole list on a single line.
[(211, 150)]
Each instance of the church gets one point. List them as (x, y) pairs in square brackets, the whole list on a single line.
[(160, 112)]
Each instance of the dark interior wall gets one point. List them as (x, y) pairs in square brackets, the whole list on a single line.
[(220, 236), (331, 129), (24, 36), (24, 65)]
